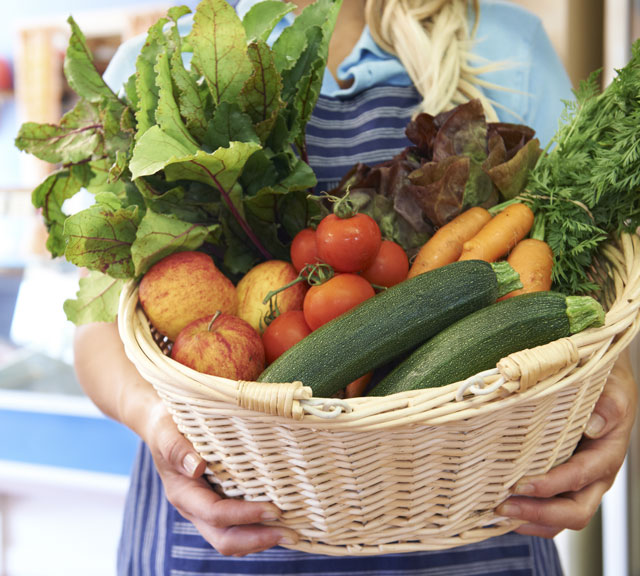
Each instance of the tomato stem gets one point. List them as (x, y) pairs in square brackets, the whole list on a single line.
[(313, 274), (342, 205)]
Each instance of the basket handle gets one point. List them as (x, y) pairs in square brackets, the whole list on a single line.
[(291, 400), (528, 367), (532, 365)]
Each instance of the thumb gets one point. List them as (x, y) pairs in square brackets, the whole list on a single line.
[(177, 451), (618, 398)]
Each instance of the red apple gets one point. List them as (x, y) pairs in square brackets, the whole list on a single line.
[(220, 345), (183, 287), (262, 279)]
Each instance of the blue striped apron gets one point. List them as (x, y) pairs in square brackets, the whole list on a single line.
[(157, 541)]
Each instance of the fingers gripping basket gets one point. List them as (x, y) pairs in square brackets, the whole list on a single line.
[(418, 470)]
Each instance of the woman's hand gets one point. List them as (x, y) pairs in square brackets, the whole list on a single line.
[(233, 527), (569, 495)]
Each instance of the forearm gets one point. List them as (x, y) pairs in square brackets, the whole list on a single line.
[(110, 379)]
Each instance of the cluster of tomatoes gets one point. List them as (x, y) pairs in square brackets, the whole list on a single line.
[(345, 261)]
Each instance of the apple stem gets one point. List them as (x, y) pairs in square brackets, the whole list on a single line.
[(213, 319)]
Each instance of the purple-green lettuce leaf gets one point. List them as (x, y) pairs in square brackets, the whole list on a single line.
[(260, 96), (514, 136), (439, 188), (96, 300), (464, 132), (511, 176), (219, 48), (100, 237), (159, 235)]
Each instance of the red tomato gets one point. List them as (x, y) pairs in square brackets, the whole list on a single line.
[(303, 249), (348, 244), (390, 267), (328, 300), (282, 333)]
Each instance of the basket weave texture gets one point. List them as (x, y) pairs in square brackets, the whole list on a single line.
[(419, 470)]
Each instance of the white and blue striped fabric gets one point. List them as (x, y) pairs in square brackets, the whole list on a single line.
[(157, 541), (364, 123)]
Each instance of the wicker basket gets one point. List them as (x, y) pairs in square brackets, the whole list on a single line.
[(419, 470)]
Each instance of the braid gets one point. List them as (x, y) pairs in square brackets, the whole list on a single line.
[(433, 40)]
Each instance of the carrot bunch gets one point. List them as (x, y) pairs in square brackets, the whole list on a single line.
[(477, 235)]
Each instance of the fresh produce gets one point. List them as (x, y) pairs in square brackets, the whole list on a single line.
[(533, 260), (183, 287), (303, 250), (456, 160), (287, 329), (587, 188), (221, 345), (257, 283), (358, 387), (478, 341), (390, 266), (328, 300), (390, 324), (500, 234), (445, 246), (348, 243), (203, 153)]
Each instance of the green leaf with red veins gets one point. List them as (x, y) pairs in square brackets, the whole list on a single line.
[(262, 18), (80, 70), (146, 88), (260, 96), (51, 194), (160, 235), (96, 300), (74, 139), (168, 115), (220, 49), (100, 237)]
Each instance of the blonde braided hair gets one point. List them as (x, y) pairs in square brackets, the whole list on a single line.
[(433, 41)]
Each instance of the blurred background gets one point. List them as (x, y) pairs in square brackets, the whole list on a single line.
[(63, 466)]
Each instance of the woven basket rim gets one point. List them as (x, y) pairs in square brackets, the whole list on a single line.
[(428, 406)]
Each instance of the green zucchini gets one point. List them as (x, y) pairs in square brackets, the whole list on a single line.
[(478, 341), (390, 324)]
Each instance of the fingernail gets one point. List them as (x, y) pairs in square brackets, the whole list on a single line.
[(286, 541), (509, 510), (269, 516), (524, 489), (595, 425), (190, 463)]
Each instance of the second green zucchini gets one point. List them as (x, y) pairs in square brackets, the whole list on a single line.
[(478, 341)]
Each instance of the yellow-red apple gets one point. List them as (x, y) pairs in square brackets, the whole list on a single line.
[(220, 345), (183, 287), (262, 279)]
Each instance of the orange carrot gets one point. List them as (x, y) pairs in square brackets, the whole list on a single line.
[(445, 246), (498, 236), (533, 260), (358, 386)]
